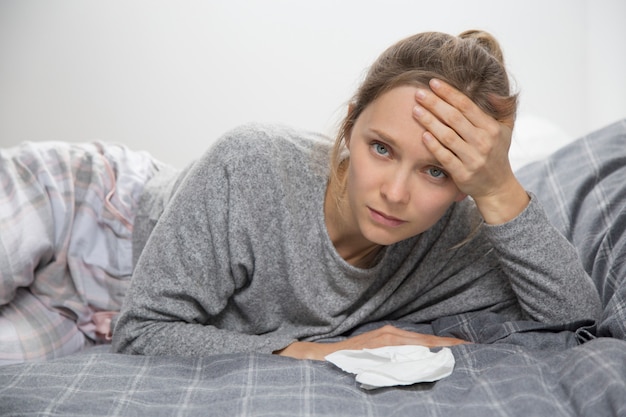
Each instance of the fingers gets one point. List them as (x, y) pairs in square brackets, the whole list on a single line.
[(463, 108), (441, 118), (445, 123), (456, 110), (468, 142), (453, 109), (444, 110)]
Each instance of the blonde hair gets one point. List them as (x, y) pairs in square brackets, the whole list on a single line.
[(471, 62)]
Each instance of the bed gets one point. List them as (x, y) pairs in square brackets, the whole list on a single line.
[(511, 369)]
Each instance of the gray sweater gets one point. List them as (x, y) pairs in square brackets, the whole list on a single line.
[(240, 259)]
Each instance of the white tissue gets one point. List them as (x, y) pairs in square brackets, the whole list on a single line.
[(394, 365)]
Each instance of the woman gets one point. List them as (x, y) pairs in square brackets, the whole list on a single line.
[(263, 247)]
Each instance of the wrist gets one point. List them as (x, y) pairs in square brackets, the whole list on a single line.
[(304, 350), (504, 206)]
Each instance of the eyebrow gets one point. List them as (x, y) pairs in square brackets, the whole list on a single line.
[(384, 137), (431, 160)]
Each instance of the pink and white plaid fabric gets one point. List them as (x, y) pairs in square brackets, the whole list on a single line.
[(66, 216)]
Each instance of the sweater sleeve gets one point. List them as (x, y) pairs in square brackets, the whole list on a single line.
[(544, 268), (184, 278)]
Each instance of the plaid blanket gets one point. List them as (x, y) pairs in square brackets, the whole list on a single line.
[(66, 214), (518, 369)]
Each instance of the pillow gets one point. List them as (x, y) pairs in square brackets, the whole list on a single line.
[(535, 138), (583, 189)]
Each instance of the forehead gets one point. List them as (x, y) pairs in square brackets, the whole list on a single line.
[(395, 104), (391, 115), (390, 118)]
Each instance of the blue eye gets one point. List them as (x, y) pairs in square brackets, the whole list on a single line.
[(437, 172), (380, 149)]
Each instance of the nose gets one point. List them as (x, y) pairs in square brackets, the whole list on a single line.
[(395, 189)]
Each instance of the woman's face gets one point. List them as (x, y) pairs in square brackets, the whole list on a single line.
[(396, 189)]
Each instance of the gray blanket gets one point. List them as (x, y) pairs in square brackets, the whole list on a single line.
[(503, 379), (516, 369)]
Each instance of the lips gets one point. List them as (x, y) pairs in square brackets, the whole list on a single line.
[(385, 219)]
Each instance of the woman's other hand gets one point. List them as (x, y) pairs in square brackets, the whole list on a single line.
[(385, 336)]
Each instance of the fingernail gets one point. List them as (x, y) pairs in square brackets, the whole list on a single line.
[(420, 94), (418, 110), (435, 83)]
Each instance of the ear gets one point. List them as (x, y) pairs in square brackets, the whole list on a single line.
[(460, 197)]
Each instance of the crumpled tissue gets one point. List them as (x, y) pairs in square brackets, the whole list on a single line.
[(394, 365)]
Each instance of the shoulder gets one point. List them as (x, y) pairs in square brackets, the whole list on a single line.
[(254, 144), (255, 138)]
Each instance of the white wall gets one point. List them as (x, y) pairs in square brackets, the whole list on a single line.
[(171, 76)]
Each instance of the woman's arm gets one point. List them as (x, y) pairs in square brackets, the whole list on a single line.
[(184, 276)]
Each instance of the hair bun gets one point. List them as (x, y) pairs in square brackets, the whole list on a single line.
[(486, 40)]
